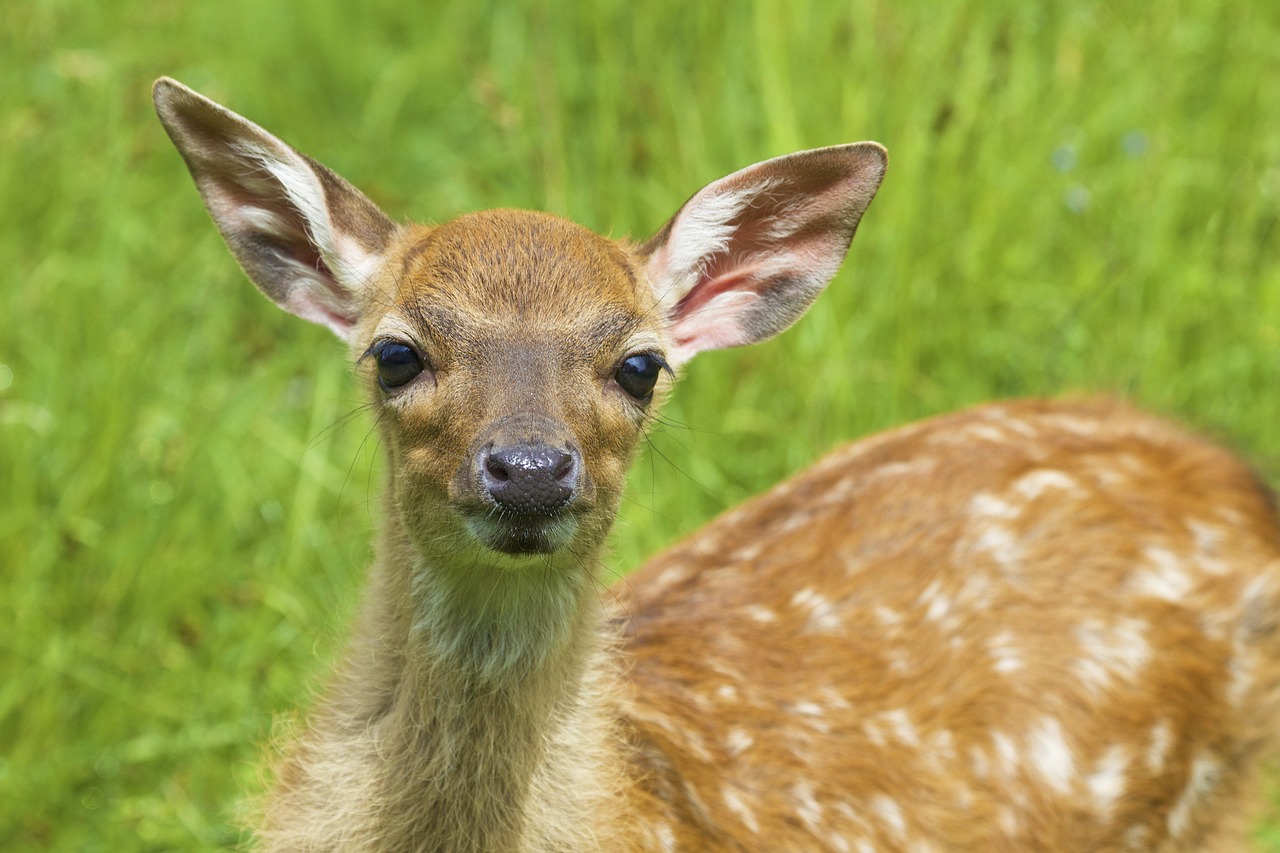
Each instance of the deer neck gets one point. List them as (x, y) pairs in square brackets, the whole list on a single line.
[(491, 697)]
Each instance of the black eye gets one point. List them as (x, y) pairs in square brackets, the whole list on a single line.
[(397, 364), (637, 374)]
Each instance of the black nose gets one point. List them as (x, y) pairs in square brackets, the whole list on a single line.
[(529, 479)]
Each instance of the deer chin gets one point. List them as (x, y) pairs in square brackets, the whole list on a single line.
[(521, 535)]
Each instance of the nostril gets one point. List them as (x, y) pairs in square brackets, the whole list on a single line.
[(497, 468), (562, 468)]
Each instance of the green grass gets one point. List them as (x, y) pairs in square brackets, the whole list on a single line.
[(1081, 197)]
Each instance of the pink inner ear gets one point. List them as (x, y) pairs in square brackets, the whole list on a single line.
[(713, 327), (734, 288), (721, 278), (708, 315), (303, 303), (314, 293)]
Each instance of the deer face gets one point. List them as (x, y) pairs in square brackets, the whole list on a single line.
[(513, 366)]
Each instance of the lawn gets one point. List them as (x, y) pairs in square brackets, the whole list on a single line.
[(1082, 197)]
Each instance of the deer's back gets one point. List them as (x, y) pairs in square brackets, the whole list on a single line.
[(1026, 626)]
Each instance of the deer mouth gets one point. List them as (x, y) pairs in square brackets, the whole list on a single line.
[(521, 534)]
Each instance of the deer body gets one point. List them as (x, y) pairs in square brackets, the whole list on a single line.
[(1030, 626)]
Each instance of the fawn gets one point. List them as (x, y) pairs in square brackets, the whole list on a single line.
[(1028, 626)]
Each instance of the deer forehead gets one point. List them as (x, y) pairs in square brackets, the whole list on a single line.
[(508, 276)]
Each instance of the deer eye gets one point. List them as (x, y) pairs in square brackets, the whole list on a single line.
[(397, 364), (637, 374)]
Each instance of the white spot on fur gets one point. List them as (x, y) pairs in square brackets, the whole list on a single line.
[(760, 614), (1001, 544), (887, 615), (1167, 578), (739, 741), (943, 744), (1051, 756), (675, 575), (807, 805), (1010, 422), (1035, 483), (984, 433), (1004, 653), (847, 812), (839, 843), (1260, 592), (1158, 751), (1008, 820), (794, 522), (822, 613), (735, 804), (1119, 650), (977, 591), (666, 837), (981, 766), (812, 714), (899, 470), (1107, 782), (1230, 517), (1072, 423), (834, 700), (1208, 541), (1203, 779), (889, 809), (902, 727), (1240, 672), (986, 505), (691, 740), (727, 692), (1007, 752), (934, 601), (1257, 609)]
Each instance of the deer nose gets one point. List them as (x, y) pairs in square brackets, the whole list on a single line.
[(529, 479)]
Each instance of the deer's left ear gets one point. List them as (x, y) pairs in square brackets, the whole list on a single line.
[(306, 237), (744, 258)]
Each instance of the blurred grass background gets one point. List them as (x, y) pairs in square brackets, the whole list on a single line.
[(1083, 196)]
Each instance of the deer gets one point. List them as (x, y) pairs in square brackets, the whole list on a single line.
[(1032, 625)]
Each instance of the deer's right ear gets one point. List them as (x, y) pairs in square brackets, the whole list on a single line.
[(306, 237)]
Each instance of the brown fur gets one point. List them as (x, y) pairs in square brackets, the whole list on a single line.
[(927, 644), (1030, 626)]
